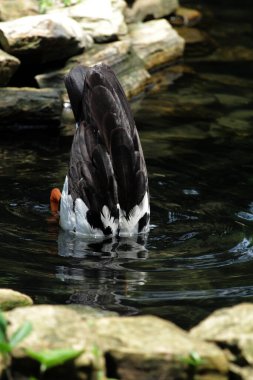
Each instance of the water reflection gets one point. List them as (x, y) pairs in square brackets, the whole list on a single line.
[(97, 275), (72, 245)]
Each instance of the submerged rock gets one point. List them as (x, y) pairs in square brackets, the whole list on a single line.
[(141, 348), (103, 20), (197, 42), (9, 299), (233, 53), (43, 38), (156, 42), (8, 66), (142, 9), (24, 107), (185, 17)]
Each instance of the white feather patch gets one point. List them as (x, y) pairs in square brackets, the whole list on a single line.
[(129, 226), (83, 227), (108, 220), (76, 221), (67, 215)]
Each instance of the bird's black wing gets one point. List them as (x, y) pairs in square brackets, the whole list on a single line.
[(107, 166)]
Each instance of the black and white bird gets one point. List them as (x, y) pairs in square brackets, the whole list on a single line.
[(105, 192)]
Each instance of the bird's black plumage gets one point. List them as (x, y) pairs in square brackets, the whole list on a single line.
[(107, 166)]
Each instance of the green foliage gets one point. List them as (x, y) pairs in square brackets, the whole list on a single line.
[(8, 344), (45, 4), (47, 358), (3, 328), (52, 358), (194, 360)]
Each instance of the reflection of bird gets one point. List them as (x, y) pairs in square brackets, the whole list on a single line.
[(106, 188)]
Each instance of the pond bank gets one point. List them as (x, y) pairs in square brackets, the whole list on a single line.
[(37, 50), (141, 347)]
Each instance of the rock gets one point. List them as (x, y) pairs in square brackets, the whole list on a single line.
[(187, 104), (242, 373), (55, 327), (231, 328), (127, 347), (9, 299), (192, 35), (103, 20), (197, 42), (233, 124), (233, 53), (43, 38), (185, 17), (156, 42), (119, 55), (128, 67), (226, 79), (165, 77), (8, 66), (27, 107), (151, 348), (21, 8), (142, 9)]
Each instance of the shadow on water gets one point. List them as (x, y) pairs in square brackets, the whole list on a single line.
[(198, 141)]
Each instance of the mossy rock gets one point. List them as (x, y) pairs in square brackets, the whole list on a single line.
[(9, 299)]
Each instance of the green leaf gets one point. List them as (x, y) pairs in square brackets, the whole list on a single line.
[(193, 360), (5, 347), (20, 334), (53, 358), (196, 358), (3, 324), (3, 338)]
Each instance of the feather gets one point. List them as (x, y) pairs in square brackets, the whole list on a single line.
[(74, 83), (107, 177)]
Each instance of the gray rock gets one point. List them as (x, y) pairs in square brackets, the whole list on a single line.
[(185, 16), (103, 20), (184, 105), (232, 328), (119, 55), (142, 9), (42, 38), (235, 53), (8, 67), (197, 42), (9, 299), (32, 107), (10, 10), (156, 42), (136, 347), (124, 61)]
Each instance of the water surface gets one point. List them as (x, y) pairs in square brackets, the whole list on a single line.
[(197, 139)]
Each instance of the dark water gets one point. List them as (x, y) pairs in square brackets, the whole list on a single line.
[(198, 140)]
